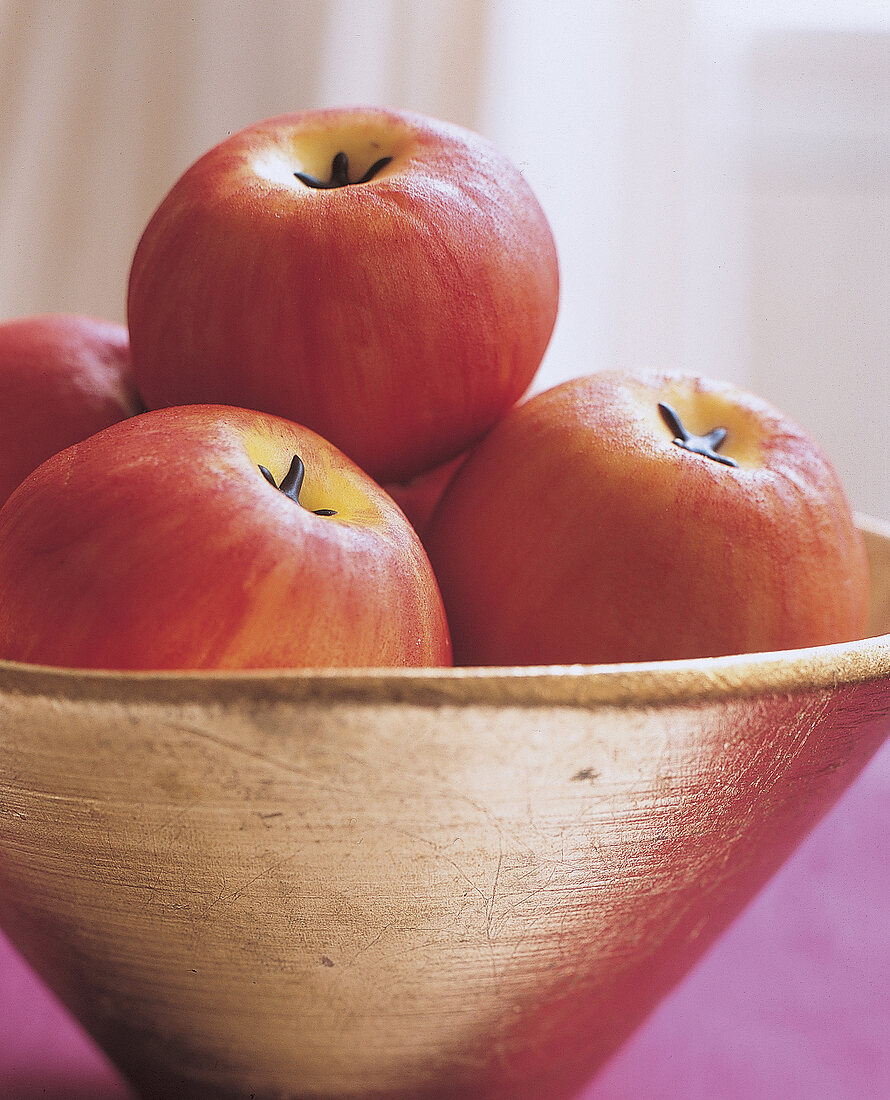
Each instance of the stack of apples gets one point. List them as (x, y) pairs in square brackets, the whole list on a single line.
[(334, 311)]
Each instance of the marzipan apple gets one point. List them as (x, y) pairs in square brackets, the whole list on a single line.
[(63, 377), (212, 537), (387, 279), (645, 516)]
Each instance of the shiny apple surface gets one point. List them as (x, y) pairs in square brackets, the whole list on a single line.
[(427, 883)]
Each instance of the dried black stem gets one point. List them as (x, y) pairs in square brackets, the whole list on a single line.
[(292, 483), (340, 173), (706, 445)]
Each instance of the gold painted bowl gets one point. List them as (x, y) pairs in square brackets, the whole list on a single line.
[(428, 884)]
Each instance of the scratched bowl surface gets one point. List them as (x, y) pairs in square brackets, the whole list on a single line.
[(456, 883)]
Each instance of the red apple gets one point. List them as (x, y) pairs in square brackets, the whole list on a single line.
[(63, 377), (419, 497), (384, 278), (645, 516), (183, 538)]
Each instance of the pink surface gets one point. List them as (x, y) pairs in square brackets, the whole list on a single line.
[(793, 1003)]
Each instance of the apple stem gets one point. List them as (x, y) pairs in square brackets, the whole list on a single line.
[(698, 444), (340, 173), (292, 483)]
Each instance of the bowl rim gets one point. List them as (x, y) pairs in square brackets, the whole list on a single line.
[(643, 684)]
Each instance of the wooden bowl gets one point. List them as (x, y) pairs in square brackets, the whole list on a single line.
[(427, 884)]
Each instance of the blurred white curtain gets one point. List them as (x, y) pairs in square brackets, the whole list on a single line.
[(103, 103), (717, 175)]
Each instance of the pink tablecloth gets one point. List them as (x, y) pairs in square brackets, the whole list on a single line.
[(793, 1003)]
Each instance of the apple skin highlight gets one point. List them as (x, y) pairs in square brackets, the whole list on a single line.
[(159, 544), (579, 532), (400, 317)]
